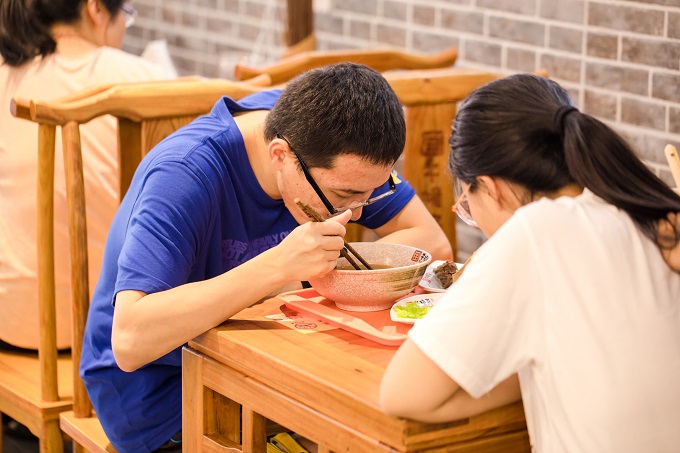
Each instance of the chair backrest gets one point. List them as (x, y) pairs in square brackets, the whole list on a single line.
[(674, 164), (146, 113), (379, 59)]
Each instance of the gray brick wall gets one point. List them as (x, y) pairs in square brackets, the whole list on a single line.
[(620, 59)]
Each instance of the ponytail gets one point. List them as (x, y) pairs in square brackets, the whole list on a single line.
[(599, 159), (22, 35)]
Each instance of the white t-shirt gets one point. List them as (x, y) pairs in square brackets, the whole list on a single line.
[(54, 77), (570, 295)]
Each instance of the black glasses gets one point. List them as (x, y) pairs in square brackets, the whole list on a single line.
[(332, 211)]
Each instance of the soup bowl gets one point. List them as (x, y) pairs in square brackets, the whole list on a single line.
[(397, 269)]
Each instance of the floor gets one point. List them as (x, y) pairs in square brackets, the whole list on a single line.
[(20, 440)]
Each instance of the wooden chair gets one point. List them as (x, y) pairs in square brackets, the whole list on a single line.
[(35, 387), (147, 113), (674, 164), (379, 59)]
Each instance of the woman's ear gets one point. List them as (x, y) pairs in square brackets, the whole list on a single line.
[(490, 185), (95, 12), (501, 192)]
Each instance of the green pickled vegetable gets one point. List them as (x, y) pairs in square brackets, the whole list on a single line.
[(412, 310)]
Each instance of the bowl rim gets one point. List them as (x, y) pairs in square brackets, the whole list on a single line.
[(391, 269)]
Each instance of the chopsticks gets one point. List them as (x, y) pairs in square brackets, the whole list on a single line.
[(674, 163), (345, 252)]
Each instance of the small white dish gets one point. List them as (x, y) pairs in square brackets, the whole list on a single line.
[(421, 300), (429, 282)]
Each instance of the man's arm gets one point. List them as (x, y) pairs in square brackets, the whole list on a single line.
[(148, 326), (415, 226), (415, 387)]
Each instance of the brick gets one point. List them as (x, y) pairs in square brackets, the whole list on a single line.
[(673, 25), (423, 15), (191, 20), (626, 18), (229, 5), (522, 60), (360, 29), (646, 146), (433, 42), (563, 10), (248, 32), (560, 67), (169, 15), (219, 25), (462, 21), (212, 4), (661, 2), (369, 7), (329, 23), (674, 120), (567, 39), (666, 86), (642, 113), (664, 54), (257, 10), (395, 10), (517, 30), (601, 105), (527, 7), (387, 34), (483, 52), (617, 78), (602, 45)]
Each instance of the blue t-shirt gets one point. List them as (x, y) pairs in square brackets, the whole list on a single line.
[(194, 210)]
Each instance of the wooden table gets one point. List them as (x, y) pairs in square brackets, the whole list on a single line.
[(322, 385)]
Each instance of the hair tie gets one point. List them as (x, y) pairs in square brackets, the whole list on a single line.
[(560, 114)]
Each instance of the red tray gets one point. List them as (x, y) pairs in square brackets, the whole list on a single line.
[(375, 325)]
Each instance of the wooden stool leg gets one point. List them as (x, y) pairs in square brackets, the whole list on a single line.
[(51, 441), (254, 437), (78, 448)]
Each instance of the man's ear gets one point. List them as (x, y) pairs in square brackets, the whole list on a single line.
[(277, 153)]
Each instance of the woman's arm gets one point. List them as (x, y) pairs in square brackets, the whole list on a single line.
[(415, 387)]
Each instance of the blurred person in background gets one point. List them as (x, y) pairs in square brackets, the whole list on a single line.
[(51, 49)]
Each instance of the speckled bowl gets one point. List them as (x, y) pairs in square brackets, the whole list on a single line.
[(376, 289)]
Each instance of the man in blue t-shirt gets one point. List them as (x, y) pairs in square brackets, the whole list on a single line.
[(209, 226)]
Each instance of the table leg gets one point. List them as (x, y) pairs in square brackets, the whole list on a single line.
[(192, 401)]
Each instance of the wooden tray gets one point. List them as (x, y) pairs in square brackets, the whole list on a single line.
[(375, 325)]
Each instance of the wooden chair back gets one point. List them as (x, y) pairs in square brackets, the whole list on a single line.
[(379, 59), (146, 113), (36, 386)]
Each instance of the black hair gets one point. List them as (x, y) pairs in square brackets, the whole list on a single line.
[(525, 129), (344, 108), (25, 25)]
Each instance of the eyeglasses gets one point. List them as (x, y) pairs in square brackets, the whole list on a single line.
[(332, 211), (130, 14), (461, 206)]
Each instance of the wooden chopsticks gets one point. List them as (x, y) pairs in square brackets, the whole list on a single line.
[(674, 163), (345, 252)]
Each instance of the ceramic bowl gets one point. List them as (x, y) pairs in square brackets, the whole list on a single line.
[(377, 289)]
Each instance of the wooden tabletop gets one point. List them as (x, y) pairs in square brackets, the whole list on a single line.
[(338, 374)]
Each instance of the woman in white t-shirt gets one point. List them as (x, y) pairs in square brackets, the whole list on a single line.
[(575, 297), (51, 49)]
